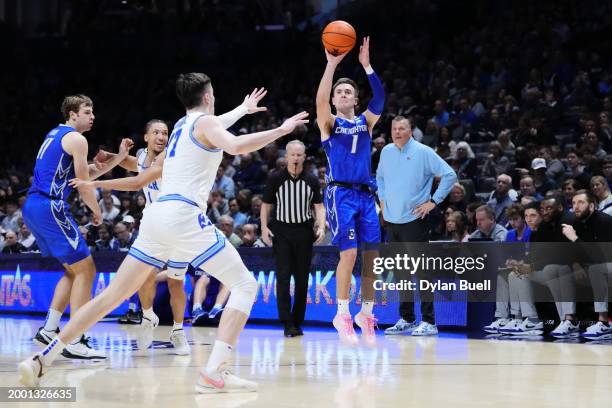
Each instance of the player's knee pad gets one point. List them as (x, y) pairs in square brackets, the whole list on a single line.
[(243, 289)]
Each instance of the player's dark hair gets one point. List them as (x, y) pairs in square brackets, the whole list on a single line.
[(152, 122), (191, 87), (534, 205), (72, 103), (346, 81)]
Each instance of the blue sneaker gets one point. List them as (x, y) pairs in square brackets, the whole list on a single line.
[(566, 329), (598, 331), (496, 326), (523, 328), (198, 316), (215, 311)]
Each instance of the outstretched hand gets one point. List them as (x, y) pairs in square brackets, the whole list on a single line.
[(251, 101), (364, 52), (290, 124), (334, 59)]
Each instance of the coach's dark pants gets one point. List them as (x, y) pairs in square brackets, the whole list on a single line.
[(293, 254), (414, 231)]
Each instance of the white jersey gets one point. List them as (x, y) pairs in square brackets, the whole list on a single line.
[(151, 191), (190, 167)]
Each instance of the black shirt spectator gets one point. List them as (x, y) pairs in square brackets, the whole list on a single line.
[(11, 245)]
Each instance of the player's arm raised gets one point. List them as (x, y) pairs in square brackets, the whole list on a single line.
[(130, 163), (133, 183), (325, 119), (111, 160), (377, 103), (248, 106), (209, 131), (76, 145)]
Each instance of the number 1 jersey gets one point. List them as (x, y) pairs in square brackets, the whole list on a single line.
[(348, 151)]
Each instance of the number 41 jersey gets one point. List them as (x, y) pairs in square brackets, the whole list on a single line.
[(348, 151), (190, 167)]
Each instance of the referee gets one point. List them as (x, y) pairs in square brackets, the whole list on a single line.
[(294, 193)]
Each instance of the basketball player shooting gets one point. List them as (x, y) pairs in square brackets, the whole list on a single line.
[(349, 199)]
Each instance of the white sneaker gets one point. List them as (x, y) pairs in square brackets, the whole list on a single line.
[(144, 339), (223, 381), (495, 327), (31, 371), (566, 329), (523, 328), (401, 327), (83, 350), (44, 337), (425, 329), (598, 331), (510, 326), (179, 341)]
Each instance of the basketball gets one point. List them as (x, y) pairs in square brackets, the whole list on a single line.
[(339, 37)]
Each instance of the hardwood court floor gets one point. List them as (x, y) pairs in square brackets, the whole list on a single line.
[(314, 371)]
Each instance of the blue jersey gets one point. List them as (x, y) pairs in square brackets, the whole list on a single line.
[(348, 151), (46, 212), (54, 167)]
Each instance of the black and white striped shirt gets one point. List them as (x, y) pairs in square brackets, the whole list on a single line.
[(294, 198)]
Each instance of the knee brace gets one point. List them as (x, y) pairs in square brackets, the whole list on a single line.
[(243, 290)]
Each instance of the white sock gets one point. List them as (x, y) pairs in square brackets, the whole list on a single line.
[(148, 313), (343, 306), (220, 354), (366, 308), (218, 306), (177, 326), (52, 320), (51, 352), (196, 306)]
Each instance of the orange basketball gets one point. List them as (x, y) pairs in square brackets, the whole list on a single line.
[(339, 37)]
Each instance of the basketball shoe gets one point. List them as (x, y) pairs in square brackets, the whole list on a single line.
[(223, 381), (344, 324)]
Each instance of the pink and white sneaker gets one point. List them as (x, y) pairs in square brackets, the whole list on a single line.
[(367, 324), (343, 322)]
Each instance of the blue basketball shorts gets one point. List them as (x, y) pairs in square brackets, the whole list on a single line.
[(351, 216), (56, 232)]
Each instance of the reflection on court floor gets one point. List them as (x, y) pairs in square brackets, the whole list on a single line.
[(315, 370)]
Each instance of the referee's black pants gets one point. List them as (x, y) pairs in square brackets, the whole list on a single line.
[(292, 246), (414, 231)]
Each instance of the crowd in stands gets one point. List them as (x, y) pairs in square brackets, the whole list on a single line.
[(516, 97)]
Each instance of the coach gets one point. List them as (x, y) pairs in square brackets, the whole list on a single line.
[(295, 193), (405, 175)]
